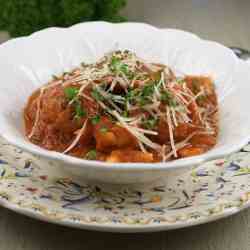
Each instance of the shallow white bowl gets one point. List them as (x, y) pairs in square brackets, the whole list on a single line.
[(27, 63)]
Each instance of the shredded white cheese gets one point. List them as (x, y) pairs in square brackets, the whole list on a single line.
[(37, 116), (171, 135), (78, 137)]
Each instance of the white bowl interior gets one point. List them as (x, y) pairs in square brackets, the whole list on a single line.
[(29, 62)]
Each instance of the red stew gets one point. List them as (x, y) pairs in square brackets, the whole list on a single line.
[(123, 109)]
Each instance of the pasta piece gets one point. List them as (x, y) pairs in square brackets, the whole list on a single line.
[(129, 156), (189, 151)]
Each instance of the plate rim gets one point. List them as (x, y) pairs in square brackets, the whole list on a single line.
[(126, 228)]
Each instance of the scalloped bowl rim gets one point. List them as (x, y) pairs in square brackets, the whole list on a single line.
[(106, 166)]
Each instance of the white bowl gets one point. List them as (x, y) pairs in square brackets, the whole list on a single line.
[(27, 63)]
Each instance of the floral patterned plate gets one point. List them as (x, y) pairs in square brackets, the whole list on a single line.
[(40, 189)]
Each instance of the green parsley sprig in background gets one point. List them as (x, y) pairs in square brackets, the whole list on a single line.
[(23, 17)]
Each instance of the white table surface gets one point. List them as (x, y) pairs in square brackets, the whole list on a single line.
[(226, 21)]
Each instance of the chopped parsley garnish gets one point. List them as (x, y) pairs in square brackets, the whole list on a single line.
[(145, 95), (180, 80), (143, 101), (140, 96), (149, 123), (201, 98), (124, 68), (79, 111), (117, 66), (167, 98), (91, 155), (148, 90), (71, 93), (125, 113), (103, 129), (96, 119), (132, 94), (96, 95)]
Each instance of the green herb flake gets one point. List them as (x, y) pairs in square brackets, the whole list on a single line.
[(115, 63), (96, 95), (180, 80), (167, 98), (124, 69), (103, 129), (144, 96), (132, 93), (96, 119), (173, 103), (91, 155), (149, 123), (117, 66), (125, 113), (131, 75), (71, 93), (148, 90), (143, 101), (201, 99), (79, 111)]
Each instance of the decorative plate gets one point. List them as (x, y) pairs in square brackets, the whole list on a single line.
[(40, 189)]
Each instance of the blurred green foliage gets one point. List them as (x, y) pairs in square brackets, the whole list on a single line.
[(22, 17)]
